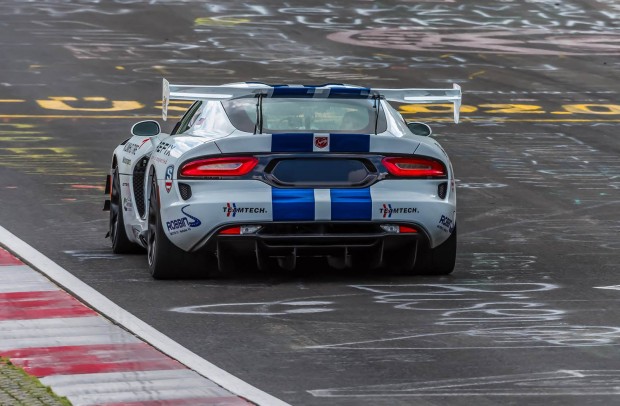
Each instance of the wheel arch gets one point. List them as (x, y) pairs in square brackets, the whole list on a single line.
[(148, 184)]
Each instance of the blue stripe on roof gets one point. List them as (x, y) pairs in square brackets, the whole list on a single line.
[(348, 92), (349, 143), (283, 91), (283, 85), (351, 204), (309, 91), (292, 204), (292, 142)]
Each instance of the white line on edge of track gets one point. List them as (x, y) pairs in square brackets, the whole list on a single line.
[(102, 304)]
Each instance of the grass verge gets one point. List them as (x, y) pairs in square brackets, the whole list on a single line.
[(19, 388)]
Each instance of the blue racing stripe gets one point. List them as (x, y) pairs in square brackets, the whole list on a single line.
[(285, 91), (349, 93), (349, 142), (292, 142), (309, 91), (351, 204), (292, 204)]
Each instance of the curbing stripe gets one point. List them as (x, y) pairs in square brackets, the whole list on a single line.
[(88, 359), (138, 327), (41, 305), (23, 281)]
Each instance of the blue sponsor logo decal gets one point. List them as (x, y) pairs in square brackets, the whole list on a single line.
[(446, 224), (183, 224)]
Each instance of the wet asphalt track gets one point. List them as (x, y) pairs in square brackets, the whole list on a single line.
[(530, 316)]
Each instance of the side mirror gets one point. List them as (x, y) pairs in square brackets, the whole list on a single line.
[(148, 128), (420, 128)]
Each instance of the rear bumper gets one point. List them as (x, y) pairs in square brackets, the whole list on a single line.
[(347, 244), (215, 204)]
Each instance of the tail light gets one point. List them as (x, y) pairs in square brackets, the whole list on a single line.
[(226, 166), (398, 229), (231, 231), (416, 167), (240, 230), (406, 229)]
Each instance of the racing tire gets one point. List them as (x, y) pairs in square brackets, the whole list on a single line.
[(439, 260), (120, 241), (166, 260)]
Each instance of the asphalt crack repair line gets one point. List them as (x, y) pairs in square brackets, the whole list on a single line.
[(88, 359)]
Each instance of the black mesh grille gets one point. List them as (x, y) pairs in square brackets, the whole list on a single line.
[(442, 190), (186, 191), (138, 185)]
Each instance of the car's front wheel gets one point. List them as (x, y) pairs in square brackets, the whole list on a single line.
[(166, 260)]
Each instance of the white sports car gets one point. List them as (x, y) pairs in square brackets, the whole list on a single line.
[(272, 174)]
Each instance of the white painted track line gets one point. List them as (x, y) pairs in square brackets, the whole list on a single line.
[(141, 329)]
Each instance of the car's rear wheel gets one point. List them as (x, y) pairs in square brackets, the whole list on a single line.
[(166, 260), (439, 260), (120, 241)]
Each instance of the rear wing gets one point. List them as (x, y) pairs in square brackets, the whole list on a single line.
[(235, 91), (419, 96)]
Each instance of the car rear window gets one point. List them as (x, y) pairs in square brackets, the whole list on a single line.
[(307, 115)]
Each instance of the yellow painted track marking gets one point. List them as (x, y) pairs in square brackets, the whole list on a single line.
[(429, 119)]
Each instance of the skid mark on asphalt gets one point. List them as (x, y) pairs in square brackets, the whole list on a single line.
[(552, 383), (93, 255), (507, 262), (277, 308), (479, 316), (489, 41), (544, 336), (543, 159), (584, 178), (607, 239), (614, 287)]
